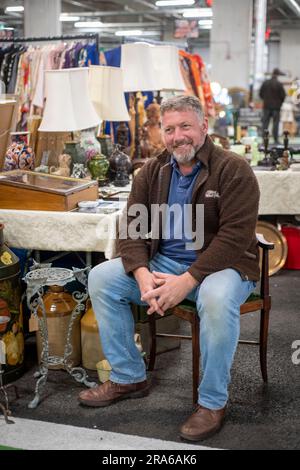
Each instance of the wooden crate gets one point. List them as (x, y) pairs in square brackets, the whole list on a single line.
[(27, 190)]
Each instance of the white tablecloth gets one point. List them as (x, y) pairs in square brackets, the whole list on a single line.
[(279, 192), (60, 231)]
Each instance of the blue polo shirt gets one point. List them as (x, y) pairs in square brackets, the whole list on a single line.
[(180, 194)]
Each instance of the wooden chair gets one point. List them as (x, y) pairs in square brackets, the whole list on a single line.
[(187, 311)]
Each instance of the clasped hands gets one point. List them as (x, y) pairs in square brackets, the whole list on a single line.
[(162, 291)]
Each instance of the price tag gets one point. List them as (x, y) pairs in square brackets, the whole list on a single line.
[(33, 323), (2, 352)]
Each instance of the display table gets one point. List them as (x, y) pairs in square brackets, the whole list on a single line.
[(88, 232)]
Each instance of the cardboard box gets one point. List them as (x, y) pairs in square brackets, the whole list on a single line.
[(28, 190)]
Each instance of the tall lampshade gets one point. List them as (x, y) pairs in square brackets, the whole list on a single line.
[(137, 66), (68, 104), (148, 67), (167, 69), (107, 93)]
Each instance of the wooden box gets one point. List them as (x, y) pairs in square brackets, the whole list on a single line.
[(27, 190)]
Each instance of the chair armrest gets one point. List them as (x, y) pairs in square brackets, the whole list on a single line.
[(263, 243)]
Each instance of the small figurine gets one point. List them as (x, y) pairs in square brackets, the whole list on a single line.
[(64, 162), (123, 135), (283, 162), (79, 171), (152, 133)]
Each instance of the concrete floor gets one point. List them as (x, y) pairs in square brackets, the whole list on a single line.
[(258, 417)]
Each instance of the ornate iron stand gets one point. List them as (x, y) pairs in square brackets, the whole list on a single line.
[(37, 280), (5, 409)]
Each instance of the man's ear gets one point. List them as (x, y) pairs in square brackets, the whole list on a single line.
[(205, 125)]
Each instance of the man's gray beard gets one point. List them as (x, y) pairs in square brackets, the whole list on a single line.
[(185, 158)]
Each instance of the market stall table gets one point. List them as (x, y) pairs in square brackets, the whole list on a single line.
[(95, 232)]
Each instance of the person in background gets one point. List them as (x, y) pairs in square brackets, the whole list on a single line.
[(218, 274), (272, 93)]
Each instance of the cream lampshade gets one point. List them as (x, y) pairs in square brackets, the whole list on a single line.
[(138, 67), (167, 71), (107, 93), (148, 67), (68, 104)]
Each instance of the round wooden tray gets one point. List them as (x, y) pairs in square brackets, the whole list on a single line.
[(277, 257)]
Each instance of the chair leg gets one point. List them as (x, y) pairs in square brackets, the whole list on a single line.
[(196, 357), (152, 333), (263, 342)]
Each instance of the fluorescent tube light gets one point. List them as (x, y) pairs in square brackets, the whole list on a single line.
[(15, 8), (136, 32), (88, 24), (69, 18), (197, 13), (172, 3), (130, 32), (205, 22), (295, 5)]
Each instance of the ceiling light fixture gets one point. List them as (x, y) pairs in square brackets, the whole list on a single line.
[(14, 8), (197, 13), (205, 22), (136, 32), (88, 24), (295, 5), (130, 32), (172, 3), (68, 18)]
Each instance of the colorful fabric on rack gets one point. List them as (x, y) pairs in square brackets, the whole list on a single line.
[(205, 87), (22, 69), (196, 80)]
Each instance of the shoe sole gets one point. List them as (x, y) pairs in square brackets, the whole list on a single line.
[(101, 404), (200, 437)]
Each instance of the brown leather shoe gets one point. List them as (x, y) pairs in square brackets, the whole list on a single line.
[(202, 423), (110, 392)]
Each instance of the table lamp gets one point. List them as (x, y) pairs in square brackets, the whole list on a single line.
[(68, 107), (148, 67), (107, 94), (167, 69)]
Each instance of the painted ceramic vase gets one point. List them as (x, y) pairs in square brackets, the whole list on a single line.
[(89, 143), (19, 154), (98, 167)]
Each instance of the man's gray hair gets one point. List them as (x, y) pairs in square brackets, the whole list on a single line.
[(182, 103)]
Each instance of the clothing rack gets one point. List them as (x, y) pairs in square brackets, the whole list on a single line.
[(67, 37)]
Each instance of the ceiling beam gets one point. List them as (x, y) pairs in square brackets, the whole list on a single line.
[(146, 4), (132, 24), (128, 12), (80, 4), (134, 4), (282, 12)]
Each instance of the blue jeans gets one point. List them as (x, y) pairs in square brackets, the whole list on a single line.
[(218, 299)]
